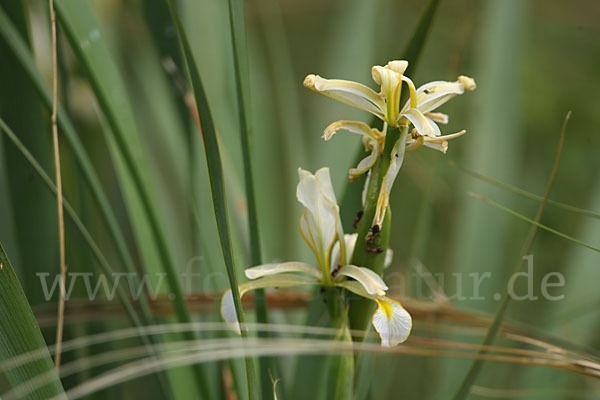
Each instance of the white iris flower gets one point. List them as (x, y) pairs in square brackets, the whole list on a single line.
[(418, 111), (321, 229)]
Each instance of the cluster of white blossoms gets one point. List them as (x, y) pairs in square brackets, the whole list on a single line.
[(418, 111), (320, 224), (321, 229)]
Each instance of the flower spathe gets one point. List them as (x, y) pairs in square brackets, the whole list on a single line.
[(321, 229)]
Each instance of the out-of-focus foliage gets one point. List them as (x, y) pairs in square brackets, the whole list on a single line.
[(533, 60)]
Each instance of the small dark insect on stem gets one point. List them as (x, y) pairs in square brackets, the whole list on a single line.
[(371, 245), (335, 271), (322, 291), (359, 215), (373, 234)]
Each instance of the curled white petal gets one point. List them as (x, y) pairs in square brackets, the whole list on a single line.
[(281, 268), (398, 66), (352, 126), (412, 100), (438, 117), (419, 121), (451, 136), (366, 163), (350, 241), (433, 94), (351, 93), (371, 282), (439, 146), (434, 127), (397, 158), (363, 195), (391, 85), (440, 143), (389, 257), (467, 82)]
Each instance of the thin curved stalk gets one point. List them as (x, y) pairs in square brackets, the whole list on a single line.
[(242, 79), (215, 169), (100, 258), (471, 376), (24, 56)]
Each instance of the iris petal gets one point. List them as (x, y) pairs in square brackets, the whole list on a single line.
[(391, 321), (351, 93), (281, 280), (370, 281), (273, 269)]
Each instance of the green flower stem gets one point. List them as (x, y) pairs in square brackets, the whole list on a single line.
[(334, 305), (361, 309), (341, 365)]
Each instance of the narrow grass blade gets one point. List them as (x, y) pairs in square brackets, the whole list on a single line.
[(215, 169), (290, 150), (85, 38), (18, 47), (24, 56), (469, 380), (525, 193), (59, 191), (532, 221), (242, 79), (20, 333), (102, 260), (416, 44), (34, 211)]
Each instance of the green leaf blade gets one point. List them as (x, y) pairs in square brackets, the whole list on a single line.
[(20, 334)]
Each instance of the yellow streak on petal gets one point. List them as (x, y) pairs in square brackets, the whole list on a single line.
[(311, 243), (387, 308), (413, 91)]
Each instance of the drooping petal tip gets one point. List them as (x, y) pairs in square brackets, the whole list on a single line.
[(392, 322), (467, 82), (398, 66), (228, 312), (309, 81)]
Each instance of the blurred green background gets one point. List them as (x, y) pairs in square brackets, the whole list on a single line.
[(533, 61)]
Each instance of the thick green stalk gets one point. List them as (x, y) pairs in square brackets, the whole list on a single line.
[(361, 308), (341, 365)]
